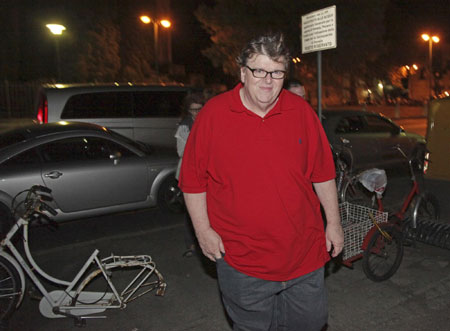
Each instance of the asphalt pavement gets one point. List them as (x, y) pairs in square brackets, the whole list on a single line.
[(415, 298)]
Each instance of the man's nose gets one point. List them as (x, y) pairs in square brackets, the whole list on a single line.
[(268, 78)]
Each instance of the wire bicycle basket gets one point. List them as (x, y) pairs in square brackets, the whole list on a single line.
[(356, 223)]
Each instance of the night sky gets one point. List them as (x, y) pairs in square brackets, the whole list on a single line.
[(25, 37)]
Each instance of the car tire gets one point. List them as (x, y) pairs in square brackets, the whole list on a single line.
[(170, 197), (6, 220)]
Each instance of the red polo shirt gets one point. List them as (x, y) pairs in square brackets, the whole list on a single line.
[(257, 174)]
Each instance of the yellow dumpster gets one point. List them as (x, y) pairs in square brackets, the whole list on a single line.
[(438, 139)]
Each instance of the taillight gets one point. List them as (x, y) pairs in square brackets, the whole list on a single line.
[(42, 113)]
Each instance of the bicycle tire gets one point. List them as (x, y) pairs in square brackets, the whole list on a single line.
[(383, 257), (9, 288), (428, 208)]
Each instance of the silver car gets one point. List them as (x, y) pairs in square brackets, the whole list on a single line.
[(90, 170)]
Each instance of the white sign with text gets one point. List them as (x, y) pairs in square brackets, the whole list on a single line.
[(319, 30)]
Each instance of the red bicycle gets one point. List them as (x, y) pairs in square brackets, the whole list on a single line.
[(381, 236)]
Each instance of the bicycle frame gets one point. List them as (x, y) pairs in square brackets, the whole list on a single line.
[(415, 191), (72, 301), (412, 193)]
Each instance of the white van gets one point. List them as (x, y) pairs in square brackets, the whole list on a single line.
[(144, 113)]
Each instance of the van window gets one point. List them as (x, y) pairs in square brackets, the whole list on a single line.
[(98, 105), (158, 103)]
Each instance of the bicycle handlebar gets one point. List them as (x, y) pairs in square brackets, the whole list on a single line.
[(409, 159), (36, 203)]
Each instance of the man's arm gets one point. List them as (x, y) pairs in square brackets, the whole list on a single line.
[(208, 239), (326, 191)]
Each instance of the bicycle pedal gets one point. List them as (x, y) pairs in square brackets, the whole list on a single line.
[(161, 290)]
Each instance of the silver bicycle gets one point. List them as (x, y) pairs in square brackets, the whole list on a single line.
[(74, 300)]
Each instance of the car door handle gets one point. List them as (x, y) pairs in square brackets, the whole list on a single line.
[(53, 174)]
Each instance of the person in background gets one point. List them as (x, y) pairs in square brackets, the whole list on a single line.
[(192, 105), (296, 87), (256, 168)]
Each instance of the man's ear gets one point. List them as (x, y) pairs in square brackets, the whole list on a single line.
[(243, 75)]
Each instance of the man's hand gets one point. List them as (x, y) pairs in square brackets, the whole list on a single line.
[(210, 243), (334, 236), (208, 239)]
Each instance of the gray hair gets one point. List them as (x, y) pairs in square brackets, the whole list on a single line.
[(270, 44)]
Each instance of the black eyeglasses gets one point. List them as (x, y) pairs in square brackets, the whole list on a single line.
[(261, 73)]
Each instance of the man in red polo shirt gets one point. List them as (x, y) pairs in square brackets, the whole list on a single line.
[(256, 167)]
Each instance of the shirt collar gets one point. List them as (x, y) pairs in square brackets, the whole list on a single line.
[(237, 106)]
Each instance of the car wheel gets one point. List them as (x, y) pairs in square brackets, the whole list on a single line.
[(6, 220), (170, 197)]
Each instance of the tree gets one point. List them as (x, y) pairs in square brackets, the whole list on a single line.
[(360, 33), (232, 22), (100, 60)]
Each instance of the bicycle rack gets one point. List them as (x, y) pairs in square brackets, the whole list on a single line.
[(432, 233)]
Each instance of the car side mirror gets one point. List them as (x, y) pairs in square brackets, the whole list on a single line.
[(399, 130)]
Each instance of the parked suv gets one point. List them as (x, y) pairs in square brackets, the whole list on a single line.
[(143, 113)]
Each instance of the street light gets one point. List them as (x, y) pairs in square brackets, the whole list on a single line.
[(431, 40), (57, 30), (165, 24)]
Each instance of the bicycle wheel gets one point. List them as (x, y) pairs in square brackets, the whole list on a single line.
[(383, 256), (9, 288), (354, 192), (426, 208)]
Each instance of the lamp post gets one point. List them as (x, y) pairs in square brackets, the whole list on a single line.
[(57, 30), (165, 24), (431, 40)]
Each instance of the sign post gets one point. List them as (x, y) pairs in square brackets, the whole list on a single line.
[(319, 33)]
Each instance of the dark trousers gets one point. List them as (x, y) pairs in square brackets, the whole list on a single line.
[(254, 304)]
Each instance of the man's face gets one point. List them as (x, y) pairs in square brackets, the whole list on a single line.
[(194, 108), (298, 89), (261, 93)]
